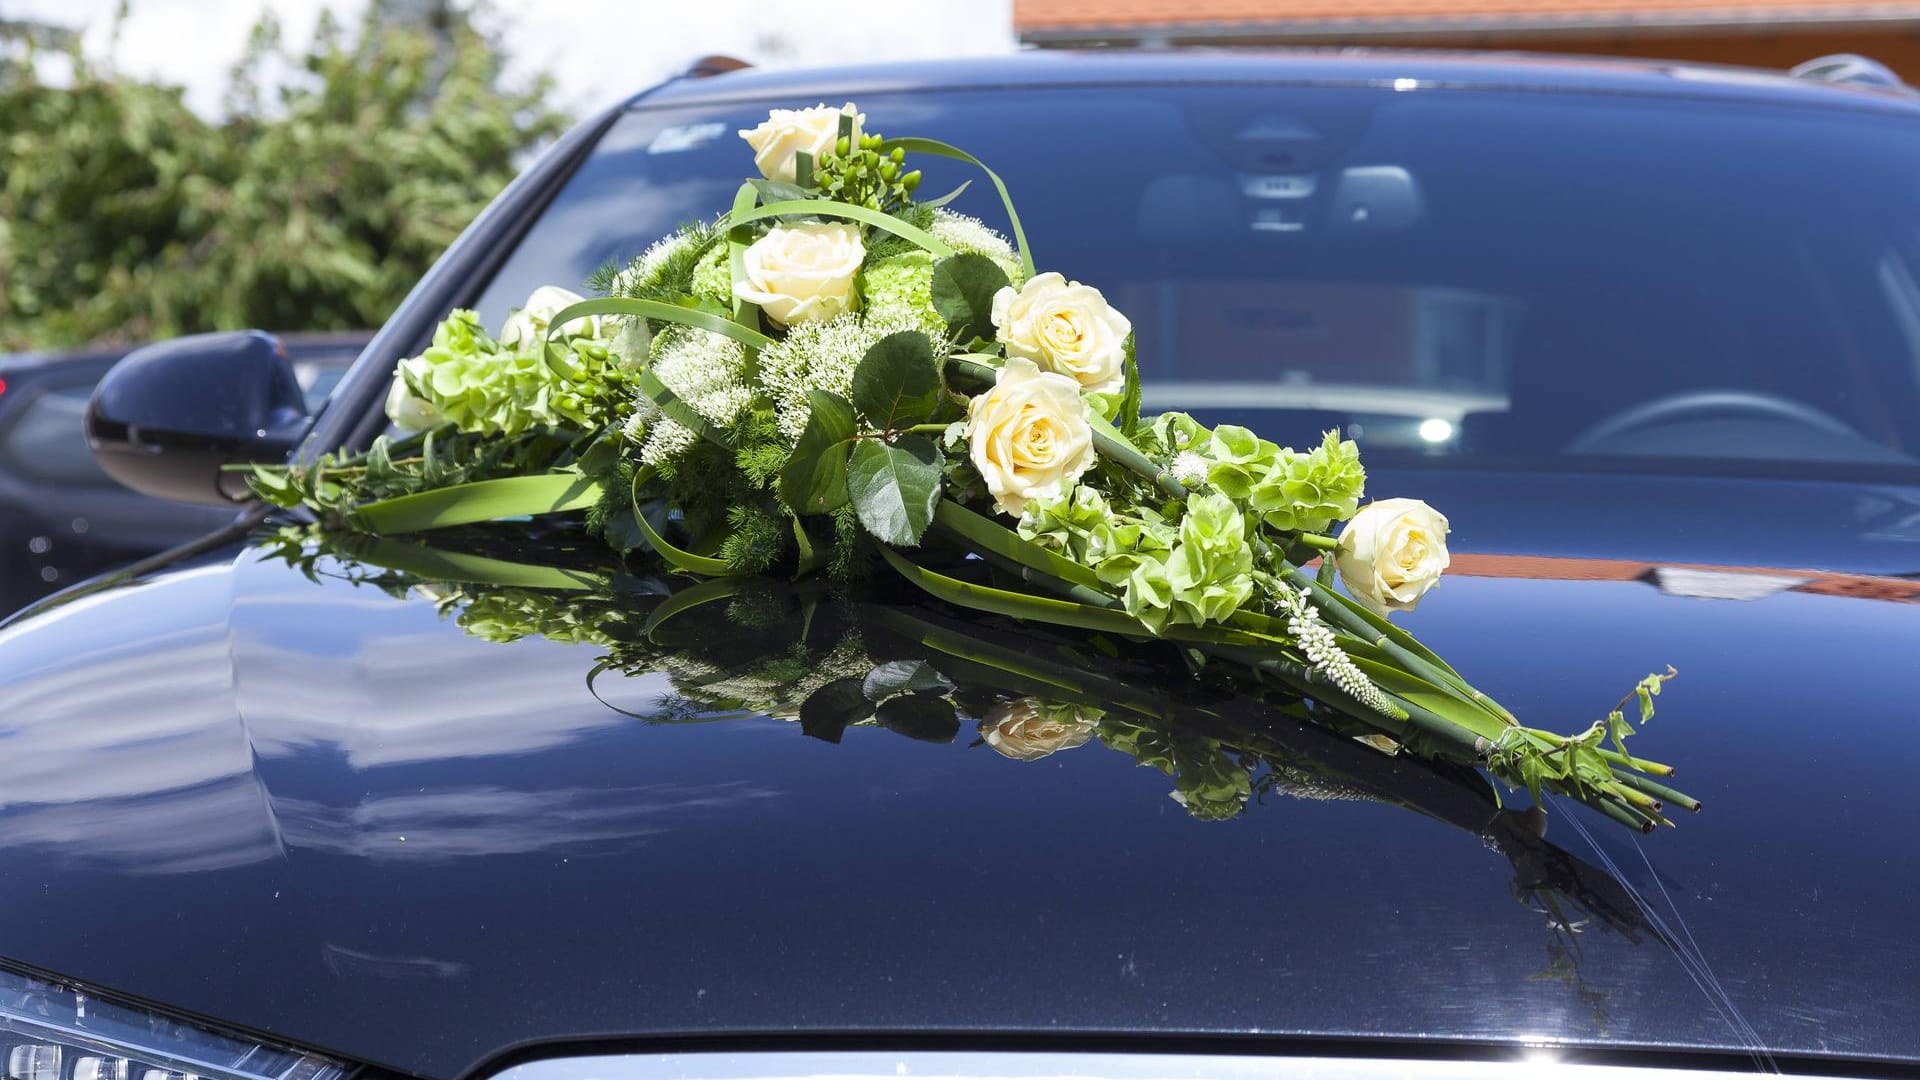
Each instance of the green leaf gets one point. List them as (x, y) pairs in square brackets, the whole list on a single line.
[(1000, 540), (483, 500), (963, 290), (897, 384), (939, 149), (707, 592), (677, 557), (864, 215), (1130, 398), (935, 204), (903, 677), (665, 312), (926, 717), (744, 313), (814, 479), (778, 190), (440, 564), (622, 531), (827, 711), (894, 487)]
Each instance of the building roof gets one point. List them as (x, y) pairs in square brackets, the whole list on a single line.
[(1036, 19)]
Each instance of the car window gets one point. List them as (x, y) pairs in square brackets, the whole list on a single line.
[(48, 441), (1448, 276), (317, 381)]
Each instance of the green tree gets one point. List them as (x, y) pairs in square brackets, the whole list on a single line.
[(315, 204)]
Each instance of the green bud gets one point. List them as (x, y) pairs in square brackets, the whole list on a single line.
[(911, 180), (899, 155), (840, 147)]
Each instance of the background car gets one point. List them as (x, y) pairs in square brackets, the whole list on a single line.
[(61, 518), (1668, 318)]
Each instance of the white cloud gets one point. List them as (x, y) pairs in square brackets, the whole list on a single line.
[(598, 51)]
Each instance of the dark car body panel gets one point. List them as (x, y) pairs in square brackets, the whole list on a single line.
[(321, 811), (61, 518), (324, 812)]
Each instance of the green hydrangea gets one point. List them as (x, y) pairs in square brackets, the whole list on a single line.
[(483, 387), (1213, 787), (713, 276), (1287, 489), (1210, 571), (1197, 573), (1309, 492), (899, 288)]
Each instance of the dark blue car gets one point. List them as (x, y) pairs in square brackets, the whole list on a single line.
[(1648, 334)]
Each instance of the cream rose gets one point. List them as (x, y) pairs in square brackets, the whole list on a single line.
[(1064, 327), (1028, 730), (1392, 552), (528, 325), (802, 273), (787, 132), (409, 411), (1028, 436)]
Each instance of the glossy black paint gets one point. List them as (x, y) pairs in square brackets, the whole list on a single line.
[(62, 519), (169, 417), (327, 813), (320, 811)]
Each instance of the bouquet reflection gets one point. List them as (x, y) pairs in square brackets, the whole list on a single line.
[(842, 665)]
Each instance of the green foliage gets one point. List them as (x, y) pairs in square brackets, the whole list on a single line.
[(894, 487), (755, 539), (127, 217), (814, 479), (963, 289), (897, 383), (483, 386)]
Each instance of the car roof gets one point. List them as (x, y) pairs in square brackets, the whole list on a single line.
[(1358, 67)]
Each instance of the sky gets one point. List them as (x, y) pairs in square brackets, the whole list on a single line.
[(598, 52)]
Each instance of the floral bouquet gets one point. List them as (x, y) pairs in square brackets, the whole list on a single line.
[(838, 380)]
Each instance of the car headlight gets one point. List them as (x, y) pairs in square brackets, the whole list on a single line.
[(49, 1031)]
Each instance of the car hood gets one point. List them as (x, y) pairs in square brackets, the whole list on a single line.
[(319, 809)]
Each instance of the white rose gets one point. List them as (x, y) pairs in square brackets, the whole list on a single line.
[(407, 410), (1392, 552), (1028, 436), (528, 325), (802, 273), (1027, 730), (1064, 327), (787, 132)]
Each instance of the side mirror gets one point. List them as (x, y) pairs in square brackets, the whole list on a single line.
[(168, 416)]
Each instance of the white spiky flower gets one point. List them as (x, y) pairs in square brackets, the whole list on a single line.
[(667, 439), (963, 233), (1324, 653), (706, 371), (645, 269), (1189, 468), (817, 356)]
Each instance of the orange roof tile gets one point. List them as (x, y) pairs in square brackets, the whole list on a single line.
[(1044, 15)]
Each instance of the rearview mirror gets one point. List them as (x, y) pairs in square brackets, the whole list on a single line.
[(168, 416)]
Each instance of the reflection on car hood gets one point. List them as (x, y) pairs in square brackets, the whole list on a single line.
[(327, 812)]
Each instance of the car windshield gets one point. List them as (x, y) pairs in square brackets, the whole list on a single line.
[(1550, 280)]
